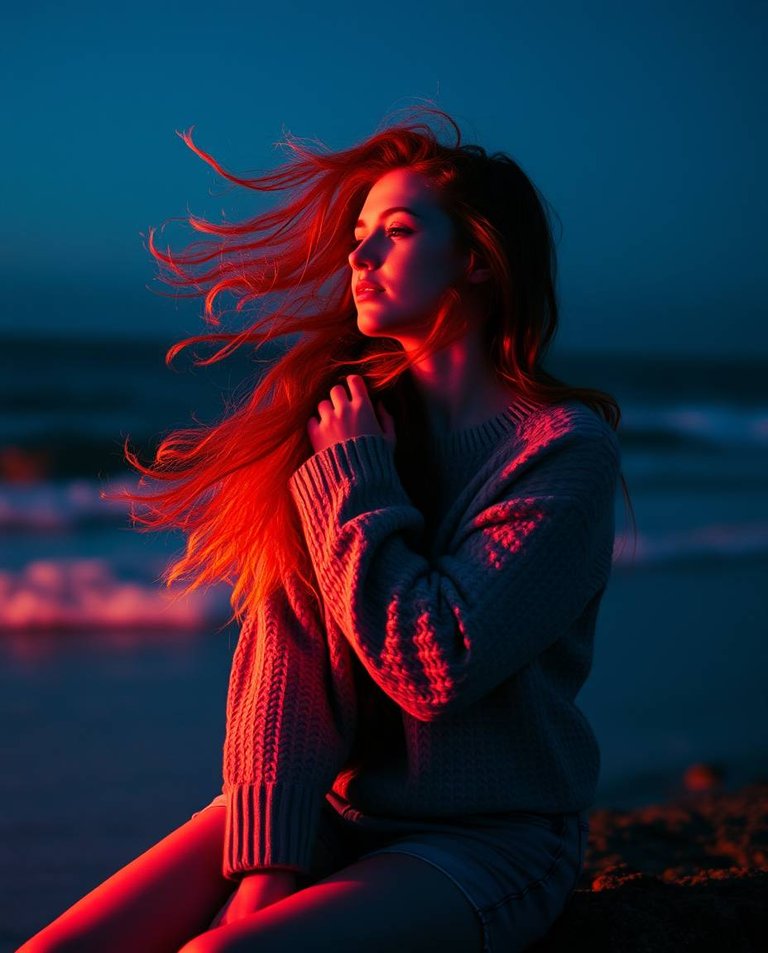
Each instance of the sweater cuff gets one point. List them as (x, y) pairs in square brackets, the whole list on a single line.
[(366, 461), (270, 824)]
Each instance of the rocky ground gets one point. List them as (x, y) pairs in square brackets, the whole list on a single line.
[(687, 874)]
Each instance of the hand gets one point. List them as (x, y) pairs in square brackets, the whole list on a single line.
[(254, 892), (342, 417)]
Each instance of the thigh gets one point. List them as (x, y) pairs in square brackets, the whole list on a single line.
[(518, 871), (155, 903), (538, 869), (381, 903)]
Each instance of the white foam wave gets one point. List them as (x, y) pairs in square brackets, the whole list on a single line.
[(83, 594)]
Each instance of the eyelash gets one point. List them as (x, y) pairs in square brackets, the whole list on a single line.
[(392, 228)]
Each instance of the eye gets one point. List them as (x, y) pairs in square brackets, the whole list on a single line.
[(391, 230)]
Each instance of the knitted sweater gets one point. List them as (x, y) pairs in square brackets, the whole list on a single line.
[(439, 675)]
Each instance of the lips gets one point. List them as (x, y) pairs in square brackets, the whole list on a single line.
[(367, 287)]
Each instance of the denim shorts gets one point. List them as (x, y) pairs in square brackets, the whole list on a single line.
[(518, 870)]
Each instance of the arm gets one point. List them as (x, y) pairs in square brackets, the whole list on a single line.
[(256, 891), (290, 713), (437, 636)]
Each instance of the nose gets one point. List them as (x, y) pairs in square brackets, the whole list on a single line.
[(363, 255)]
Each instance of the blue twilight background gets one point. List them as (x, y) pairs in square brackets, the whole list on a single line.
[(642, 126)]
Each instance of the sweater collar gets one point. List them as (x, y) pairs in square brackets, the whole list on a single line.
[(484, 435)]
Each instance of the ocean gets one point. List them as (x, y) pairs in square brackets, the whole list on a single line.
[(112, 690)]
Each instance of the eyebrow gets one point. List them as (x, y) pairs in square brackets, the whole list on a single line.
[(388, 211)]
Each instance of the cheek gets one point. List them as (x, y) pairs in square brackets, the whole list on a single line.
[(427, 275)]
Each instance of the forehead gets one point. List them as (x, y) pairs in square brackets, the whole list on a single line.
[(401, 187)]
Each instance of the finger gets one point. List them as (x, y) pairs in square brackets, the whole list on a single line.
[(357, 387), (339, 394)]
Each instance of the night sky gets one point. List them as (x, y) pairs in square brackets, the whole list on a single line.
[(642, 125)]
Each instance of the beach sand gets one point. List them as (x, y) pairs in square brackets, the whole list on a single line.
[(686, 874)]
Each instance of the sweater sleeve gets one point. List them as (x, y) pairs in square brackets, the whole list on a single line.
[(290, 710), (438, 635)]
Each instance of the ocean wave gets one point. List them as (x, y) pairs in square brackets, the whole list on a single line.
[(55, 506), (697, 424), (83, 594), (120, 592), (716, 542), (702, 469)]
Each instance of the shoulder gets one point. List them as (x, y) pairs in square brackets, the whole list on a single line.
[(568, 432), (566, 417), (569, 421)]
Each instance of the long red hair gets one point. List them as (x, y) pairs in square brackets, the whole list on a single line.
[(225, 485)]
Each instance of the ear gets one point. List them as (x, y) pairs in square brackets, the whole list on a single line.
[(477, 271)]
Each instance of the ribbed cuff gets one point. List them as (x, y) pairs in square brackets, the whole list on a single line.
[(367, 460), (270, 824)]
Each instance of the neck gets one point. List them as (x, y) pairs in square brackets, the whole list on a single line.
[(458, 387)]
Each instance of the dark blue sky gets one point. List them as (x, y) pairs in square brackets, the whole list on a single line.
[(644, 127)]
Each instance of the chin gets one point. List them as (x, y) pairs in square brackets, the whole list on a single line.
[(382, 325), (373, 326)]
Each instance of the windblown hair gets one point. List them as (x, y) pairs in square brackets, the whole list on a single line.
[(226, 484)]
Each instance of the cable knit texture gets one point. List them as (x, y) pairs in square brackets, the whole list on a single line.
[(439, 676)]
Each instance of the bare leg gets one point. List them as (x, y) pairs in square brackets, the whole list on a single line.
[(155, 903), (382, 903)]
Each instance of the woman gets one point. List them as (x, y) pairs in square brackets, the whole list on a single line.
[(418, 521)]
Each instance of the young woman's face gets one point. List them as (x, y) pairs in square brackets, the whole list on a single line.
[(405, 257)]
